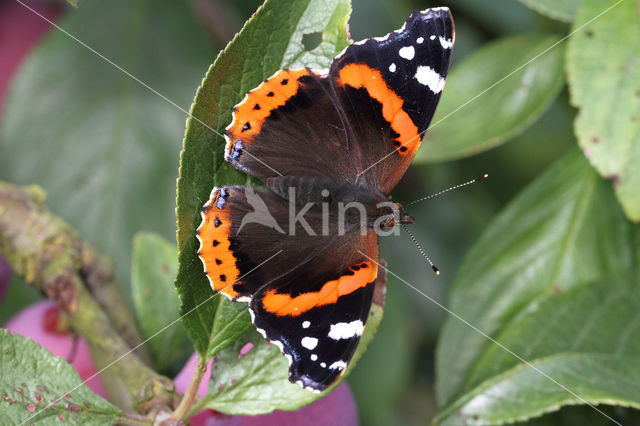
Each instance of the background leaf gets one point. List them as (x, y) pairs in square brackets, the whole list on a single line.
[(571, 415), (274, 36), (18, 295), (503, 111), (258, 381), (563, 10), (587, 339), (604, 76), (32, 379), (502, 17), (561, 231), (390, 355), (153, 269), (101, 145)]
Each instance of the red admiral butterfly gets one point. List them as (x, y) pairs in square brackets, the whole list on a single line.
[(316, 138)]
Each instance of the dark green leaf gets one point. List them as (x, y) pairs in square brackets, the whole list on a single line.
[(153, 269), (258, 381), (587, 339), (32, 379), (562, 10), (508, 104), (19, 295), (103, 146), (495, 16), (274, 36), (582, 415), (376, 394), (604, 77), (563, 230)]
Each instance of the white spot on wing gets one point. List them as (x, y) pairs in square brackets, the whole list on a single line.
[(420, 40), (446, 44), (432, 37), (314, 357), (433, 9), (309, 388), (346, 330), (392, 67), (428, 77), (306, 324), (407, 52), (323, 365), (309, 342), (338, 365)]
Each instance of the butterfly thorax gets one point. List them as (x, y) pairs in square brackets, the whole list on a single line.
[(341, 198)]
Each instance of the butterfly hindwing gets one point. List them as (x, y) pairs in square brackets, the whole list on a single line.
[(246, 240), (290, 125)]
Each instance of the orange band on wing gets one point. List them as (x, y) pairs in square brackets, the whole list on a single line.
[(250, 114), (215, 247), (361, 275), (363, 76)]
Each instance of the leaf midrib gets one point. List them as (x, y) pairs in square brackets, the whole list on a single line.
[(577, 219)]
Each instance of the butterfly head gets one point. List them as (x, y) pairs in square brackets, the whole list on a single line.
[(393, 215)]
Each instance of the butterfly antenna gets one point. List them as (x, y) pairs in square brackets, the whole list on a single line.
[(483, 177), (435, 269)]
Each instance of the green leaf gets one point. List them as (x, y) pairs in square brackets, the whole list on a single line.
[(465, 126), (258, 381), (19, 295), (32, 379), (273, 36), (563, 230), (604, 77), (495, 16), (587, 339), (392, 355), (73, 3), (153, 269), (571, 415), (102, 145), (562, 10)]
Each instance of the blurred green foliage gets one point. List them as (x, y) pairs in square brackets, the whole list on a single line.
[(106, 152), (153, 269)]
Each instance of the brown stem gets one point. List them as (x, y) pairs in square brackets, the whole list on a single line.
[(48, 254), (97, 273), (190, 395)]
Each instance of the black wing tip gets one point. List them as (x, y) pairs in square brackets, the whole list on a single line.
[(434, 13)]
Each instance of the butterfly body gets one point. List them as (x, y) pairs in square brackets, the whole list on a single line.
[(330, 146)]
